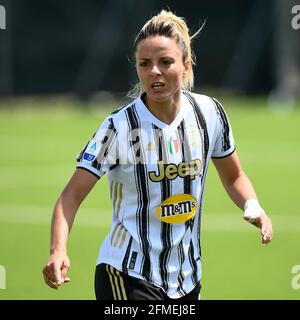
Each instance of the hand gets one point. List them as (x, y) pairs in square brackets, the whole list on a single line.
[(264, 223), (55, 271)]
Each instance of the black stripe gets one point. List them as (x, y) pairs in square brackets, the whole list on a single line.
[(193, 263), (186, 157), (106, 143), (187, 186), (141, 179), (181, 259), (166, 228), (186, 154), (158, 144), (202, 127), (166, 183), (225, 125), (126, 257)]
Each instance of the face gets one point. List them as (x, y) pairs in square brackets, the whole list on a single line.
[(160, 67)]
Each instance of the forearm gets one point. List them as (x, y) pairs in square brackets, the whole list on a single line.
[(66, 207), (62, 221), (240, 189), (235, 181), (56, 269)]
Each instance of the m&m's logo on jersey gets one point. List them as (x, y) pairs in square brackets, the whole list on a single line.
[(177, 209)]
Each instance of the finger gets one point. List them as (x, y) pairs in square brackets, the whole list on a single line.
[(267, 231), (53, 285), (47, 272), (66, 280), (64, 272), (57, 273), (267, 237), (268, 228), (266, 241), (50, 283)]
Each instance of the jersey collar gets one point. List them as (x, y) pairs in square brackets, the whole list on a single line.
[(146, 115)]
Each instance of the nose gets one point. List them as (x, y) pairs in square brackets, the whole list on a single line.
[(155, 70)]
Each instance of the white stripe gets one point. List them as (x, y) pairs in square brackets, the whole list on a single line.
[(101, 218)]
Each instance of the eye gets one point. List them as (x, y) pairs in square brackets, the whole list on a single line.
[(167, 62), (143, 64)]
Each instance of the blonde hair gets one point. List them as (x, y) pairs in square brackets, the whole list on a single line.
[(169, 25)]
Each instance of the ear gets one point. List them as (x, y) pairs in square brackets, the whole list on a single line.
[(186, 65)]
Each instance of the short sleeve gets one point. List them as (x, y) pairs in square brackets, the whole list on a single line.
[(224, 141), (99, 154)]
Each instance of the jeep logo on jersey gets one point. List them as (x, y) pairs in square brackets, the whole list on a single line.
[(172, 171), (177, 209)]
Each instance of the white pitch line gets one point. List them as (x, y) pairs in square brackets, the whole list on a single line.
[(101, 218), (24, 214)]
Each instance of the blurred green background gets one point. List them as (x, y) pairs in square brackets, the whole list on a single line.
[(39, 143)]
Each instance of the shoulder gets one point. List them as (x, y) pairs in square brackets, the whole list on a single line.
[(118, 115), (203, 102), (121, 111)]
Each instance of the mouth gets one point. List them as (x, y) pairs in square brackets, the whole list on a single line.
[(157, 85)]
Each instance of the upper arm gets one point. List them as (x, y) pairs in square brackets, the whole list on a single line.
[(100, 154), (80, 184), (229, 168)]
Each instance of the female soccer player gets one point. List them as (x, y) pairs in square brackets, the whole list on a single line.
[(156, 152)]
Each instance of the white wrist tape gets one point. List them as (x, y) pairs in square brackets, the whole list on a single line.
[(252, 209)]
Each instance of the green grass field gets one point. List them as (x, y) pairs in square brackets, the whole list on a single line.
[(39, 143)]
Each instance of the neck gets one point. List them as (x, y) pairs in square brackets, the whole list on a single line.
[(167, 110)]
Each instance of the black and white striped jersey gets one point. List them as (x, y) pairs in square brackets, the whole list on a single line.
[(156, 175)]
